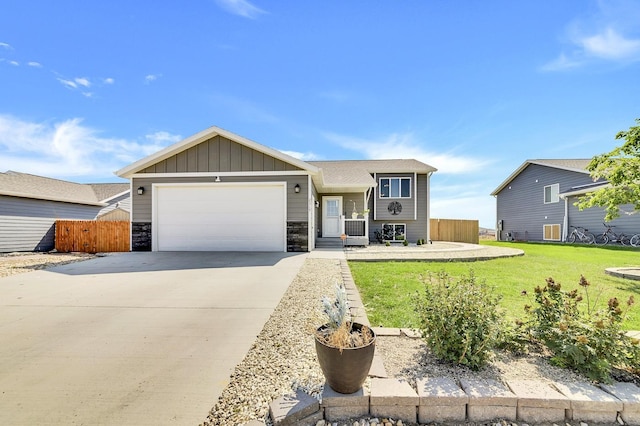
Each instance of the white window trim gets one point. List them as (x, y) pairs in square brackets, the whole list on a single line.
[(551, 225), (555, 197), (400, 178)]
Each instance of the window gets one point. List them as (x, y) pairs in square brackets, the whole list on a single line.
[(395, 187), (551, 193), (551, 232), (394, 231)]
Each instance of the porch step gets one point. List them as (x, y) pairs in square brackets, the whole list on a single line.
[(328, 243)]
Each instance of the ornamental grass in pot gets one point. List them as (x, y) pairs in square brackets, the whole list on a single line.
[(345, 349)]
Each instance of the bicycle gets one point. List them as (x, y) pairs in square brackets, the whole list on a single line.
[(635, 240), (581, 234), (608, 236)]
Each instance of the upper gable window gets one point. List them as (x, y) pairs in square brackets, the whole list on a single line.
[(551, 193), (395, 187)]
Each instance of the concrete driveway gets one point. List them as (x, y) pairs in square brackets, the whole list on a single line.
[(132, 338)]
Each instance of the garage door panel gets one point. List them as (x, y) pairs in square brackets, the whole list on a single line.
[(216, 217)]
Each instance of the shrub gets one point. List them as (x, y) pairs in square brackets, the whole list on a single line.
[(580, 337), (405, 243), (459, 319)]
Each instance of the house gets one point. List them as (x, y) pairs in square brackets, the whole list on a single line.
[(30, 205), (537, 202), (219, 191)]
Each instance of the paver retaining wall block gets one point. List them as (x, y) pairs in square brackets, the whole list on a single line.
[(393, 398), (629, 394), (488, 400), (441, 399), (589, 403)]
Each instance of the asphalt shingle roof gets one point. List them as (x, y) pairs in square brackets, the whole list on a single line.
[(39, 187), (358, 172)]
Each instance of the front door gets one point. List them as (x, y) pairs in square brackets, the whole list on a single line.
[(331, 216)]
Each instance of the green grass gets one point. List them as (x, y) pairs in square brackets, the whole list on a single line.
[(388, 289)]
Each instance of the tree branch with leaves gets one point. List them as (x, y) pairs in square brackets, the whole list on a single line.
[(621, 169)]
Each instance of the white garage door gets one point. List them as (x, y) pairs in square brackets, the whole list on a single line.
[(220, 217)]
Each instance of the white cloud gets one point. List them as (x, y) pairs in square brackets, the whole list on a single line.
[(6, 46), (608, 35), (108, 80), (304, 156), (151, 77), (65, 149), (241, 8), (15, 63), (68, 83), (609, 44), (406, 146), (34, 64), (82, 81)]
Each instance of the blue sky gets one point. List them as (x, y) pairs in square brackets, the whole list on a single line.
[(473, 88)]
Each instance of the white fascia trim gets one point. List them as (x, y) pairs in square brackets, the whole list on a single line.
[(583, 191), (45, 198), (202, 136), (219, 174)]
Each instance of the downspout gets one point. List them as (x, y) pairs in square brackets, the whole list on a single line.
[(565, 222), (429, 206)]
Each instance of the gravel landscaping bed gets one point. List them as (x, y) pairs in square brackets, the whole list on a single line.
[(17, 263), (283, 357)]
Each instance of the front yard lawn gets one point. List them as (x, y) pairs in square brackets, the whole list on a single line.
[(388, 289)]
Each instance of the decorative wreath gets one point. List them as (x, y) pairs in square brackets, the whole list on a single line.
[(395, 207)]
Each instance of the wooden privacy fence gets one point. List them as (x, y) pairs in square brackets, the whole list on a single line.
[(92, 236), (458, 230)]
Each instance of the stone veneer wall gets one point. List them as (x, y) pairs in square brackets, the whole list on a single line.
[(141, 236), (297, 236)]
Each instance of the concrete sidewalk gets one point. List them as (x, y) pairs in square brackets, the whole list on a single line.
[(132, 338)]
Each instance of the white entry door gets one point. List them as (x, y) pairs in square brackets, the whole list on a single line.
[(331, 216)]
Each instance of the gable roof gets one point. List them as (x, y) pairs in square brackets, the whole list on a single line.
[(130, 170), (578, 165), (337, 175), (25, 185)]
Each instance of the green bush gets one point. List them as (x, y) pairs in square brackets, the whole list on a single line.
[(580, 337), (459, 319)]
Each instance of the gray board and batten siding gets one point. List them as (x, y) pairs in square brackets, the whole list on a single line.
[(28, 224), (219, 154), (521, 206)]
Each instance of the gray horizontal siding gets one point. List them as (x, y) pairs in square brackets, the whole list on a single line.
[(29, 224), (593, 219), (382, 204), (520, 205), (416, 229), (297, 206)]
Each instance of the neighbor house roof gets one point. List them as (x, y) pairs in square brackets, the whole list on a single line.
[(578, 165), (25, 185)]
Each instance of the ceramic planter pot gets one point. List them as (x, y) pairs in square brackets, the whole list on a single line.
[(346, 370)]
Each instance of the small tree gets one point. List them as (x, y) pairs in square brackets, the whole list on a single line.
[(621, 168)]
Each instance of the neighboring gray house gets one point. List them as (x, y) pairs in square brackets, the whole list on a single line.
[(536, 202), (30, 205), (219, 191)]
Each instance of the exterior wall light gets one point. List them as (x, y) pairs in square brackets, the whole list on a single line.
[(140, 190), (296, 188)]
